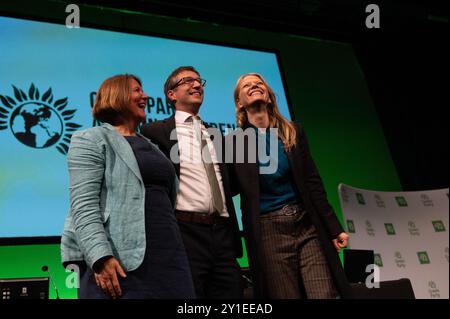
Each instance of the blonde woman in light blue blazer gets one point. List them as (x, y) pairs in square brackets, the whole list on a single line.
[(115, 178)]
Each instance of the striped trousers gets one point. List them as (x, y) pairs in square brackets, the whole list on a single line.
[(293, 262)]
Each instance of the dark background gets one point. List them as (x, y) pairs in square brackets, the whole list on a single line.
[(405, 63)]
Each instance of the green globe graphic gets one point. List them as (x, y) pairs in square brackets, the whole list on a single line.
[(36, 125)]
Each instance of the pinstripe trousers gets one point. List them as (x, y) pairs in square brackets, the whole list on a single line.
[(293, 263)]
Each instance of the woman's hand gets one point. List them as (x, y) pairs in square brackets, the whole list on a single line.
[(341, 241), (106, 278)]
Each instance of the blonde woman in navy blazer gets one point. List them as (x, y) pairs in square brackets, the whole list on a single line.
[(292, 233), (121, 228)]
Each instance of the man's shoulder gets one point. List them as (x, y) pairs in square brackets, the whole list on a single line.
[(156, 125)]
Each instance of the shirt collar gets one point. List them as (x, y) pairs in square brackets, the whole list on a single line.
[(181, 116)]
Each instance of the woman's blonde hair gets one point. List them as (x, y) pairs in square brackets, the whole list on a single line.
[(286, 130), (113, 98)]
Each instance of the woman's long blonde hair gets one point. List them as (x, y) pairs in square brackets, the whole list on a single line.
[(286, 130)]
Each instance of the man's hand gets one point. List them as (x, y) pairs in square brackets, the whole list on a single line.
[(341, 241), (107, 278)]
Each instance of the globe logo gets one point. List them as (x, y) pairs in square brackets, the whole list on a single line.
[(36, 121), (36, 125)]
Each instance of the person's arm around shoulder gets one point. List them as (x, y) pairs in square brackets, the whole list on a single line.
[(151, 131)]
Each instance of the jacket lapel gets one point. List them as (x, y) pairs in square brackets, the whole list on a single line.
[(218, 152), (295, 163), (123, 149), (248, 172), (168, 128)]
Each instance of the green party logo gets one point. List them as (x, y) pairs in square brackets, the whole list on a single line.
[(433, 290), (438, 226), (369, 228), (377, 260), (423, 257), (36, 121), (360, 199), (390, 230), (379, 201), (426, 200), (399, 260), (351, 226), (344, 194), (412, 228), (401, 201)]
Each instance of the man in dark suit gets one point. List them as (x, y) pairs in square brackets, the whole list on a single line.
[(204, 206)]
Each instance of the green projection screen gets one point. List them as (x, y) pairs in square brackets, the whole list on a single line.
[(319, 81), (45, 97)]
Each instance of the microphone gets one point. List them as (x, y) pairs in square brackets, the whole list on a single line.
[(45, 269)]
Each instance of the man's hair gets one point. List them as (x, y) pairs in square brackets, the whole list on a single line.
[(113, 98), (172, 80)]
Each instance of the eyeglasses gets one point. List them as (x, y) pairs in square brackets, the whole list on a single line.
[(189, 81)]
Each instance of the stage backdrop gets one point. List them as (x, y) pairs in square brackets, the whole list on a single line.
[(323, 85), (45, 97), (408, 232)]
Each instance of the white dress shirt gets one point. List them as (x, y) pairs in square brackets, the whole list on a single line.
[(194, 194)]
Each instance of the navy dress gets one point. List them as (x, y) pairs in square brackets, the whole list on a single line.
[(164, 272)]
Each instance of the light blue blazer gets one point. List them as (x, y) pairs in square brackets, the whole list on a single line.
[(107, 200)]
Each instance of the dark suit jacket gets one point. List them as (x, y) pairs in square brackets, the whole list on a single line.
[(159, 133), (245, 177)]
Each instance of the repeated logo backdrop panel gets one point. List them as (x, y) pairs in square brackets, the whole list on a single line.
[(408, 232)]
